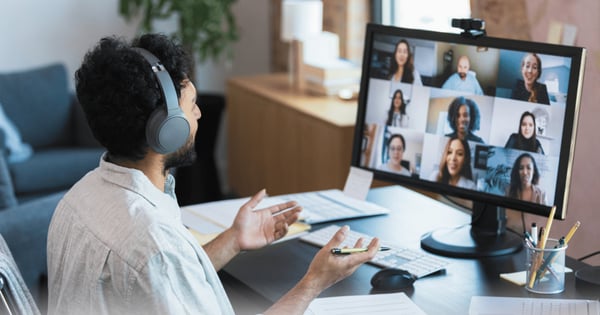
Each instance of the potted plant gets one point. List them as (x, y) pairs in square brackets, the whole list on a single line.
[(206, 28)]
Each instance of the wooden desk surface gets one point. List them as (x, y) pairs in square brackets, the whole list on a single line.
[(272, 271), (278, 89)]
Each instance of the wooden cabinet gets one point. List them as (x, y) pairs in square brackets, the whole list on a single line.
[(284, 139)]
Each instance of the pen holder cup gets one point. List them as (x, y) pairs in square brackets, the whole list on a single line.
[(546, 268)]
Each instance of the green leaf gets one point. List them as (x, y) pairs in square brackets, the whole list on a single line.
[(208, 26)]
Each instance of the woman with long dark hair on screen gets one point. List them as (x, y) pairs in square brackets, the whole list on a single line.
[(455, 165), (526, 138), (524, 180), (528, 88), (397, 116), (403, 68)]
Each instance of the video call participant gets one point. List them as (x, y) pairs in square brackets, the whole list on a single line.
[(463, 117), (395, 152), (116, 242), (403, 68), (397, 116), (524, 180), (526, 138), (463, 80), (528, 88), (455, 165)]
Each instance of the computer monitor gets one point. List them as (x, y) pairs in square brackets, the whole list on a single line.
[(486, 119)]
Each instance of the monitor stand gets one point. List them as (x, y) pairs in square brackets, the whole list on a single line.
[(486, 236)]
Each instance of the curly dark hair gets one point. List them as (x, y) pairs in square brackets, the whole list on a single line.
[(118, 91), (473, 112)]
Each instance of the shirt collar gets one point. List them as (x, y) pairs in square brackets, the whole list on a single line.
[(136, 181)]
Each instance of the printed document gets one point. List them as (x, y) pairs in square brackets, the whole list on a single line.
[(488, 305)]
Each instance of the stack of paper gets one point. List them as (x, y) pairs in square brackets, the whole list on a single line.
[(328, 77), (323, 71)]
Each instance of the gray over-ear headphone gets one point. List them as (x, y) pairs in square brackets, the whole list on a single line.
[(167, 129)]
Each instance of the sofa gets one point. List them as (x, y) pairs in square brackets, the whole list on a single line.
[(47, 143), (45, 147)]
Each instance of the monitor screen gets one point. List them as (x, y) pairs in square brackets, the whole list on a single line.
[(487, 119)]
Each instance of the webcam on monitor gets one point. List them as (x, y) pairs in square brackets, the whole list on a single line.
[(471, 27)]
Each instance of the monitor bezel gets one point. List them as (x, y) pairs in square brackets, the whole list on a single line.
[(564, 172)]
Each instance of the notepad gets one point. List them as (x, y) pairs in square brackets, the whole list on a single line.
[(520, 277), (486, 305), (380, 304)]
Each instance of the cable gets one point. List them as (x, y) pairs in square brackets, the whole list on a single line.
[(589, 255), (523, 222)]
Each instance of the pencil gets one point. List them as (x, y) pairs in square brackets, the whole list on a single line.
[(542, 245), (547, 228), (572, 231), (565, 240)]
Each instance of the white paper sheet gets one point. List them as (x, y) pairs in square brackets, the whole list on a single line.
[(358, 183), (489, 305), (380, 304)]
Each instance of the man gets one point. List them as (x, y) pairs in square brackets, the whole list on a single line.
[(463, 80), (116, 243)]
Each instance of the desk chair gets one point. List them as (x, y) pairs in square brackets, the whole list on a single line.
[(15, 298)]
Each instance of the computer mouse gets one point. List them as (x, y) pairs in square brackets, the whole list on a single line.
[(389, 279)]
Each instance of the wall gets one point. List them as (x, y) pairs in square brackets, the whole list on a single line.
[(531, 20), (584, 198), (35, 32)]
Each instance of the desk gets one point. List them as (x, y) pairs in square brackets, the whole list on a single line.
[(285, 140), (272, 271)]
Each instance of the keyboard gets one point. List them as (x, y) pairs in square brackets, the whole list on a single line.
[(418, 263), (330, 205)]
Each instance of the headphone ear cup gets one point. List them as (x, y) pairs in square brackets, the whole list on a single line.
[(167, 133)]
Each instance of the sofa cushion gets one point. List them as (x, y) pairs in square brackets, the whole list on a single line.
[(67, 166), (16, 149), (38, 102), (25, 229), (7, 194)]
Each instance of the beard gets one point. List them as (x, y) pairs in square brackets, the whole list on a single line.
[(462, 75), (185, 156)]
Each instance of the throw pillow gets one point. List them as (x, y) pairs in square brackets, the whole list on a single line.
[(17, 150)]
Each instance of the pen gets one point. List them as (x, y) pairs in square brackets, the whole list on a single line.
[(534, 233), (562, 242), (346, 251), (529, 238), (282, 211), (549, 260)]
